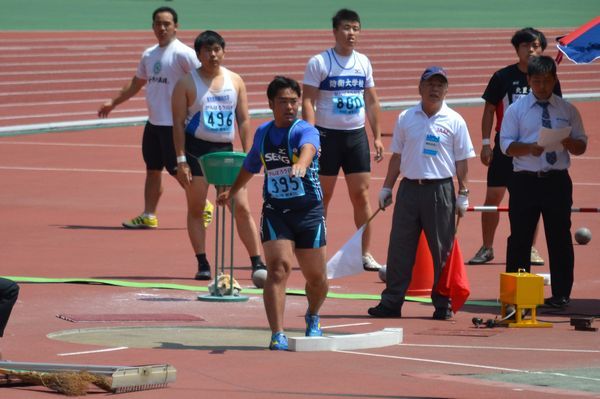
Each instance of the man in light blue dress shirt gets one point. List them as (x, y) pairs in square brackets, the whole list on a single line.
[(541, 183)]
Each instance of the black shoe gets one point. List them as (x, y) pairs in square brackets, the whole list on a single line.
[(558, 302), (383, 311), (203, 272), (442, 314)]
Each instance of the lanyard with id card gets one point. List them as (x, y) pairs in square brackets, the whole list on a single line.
[(431, 146)]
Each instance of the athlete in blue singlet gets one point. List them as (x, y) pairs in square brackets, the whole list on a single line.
[(293, 221)]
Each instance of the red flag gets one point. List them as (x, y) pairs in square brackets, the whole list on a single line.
[(453, 281)]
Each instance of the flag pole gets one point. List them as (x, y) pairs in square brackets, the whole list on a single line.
[(372, 216)]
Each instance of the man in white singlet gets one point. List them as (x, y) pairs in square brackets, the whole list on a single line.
[(206, 104), (338, 95)]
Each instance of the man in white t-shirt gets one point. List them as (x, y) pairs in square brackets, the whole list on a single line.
[(338, 95), (161, 66)]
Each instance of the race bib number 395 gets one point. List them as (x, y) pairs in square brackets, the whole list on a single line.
[(281, 185)]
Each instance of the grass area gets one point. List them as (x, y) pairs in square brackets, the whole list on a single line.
[(307, 14)]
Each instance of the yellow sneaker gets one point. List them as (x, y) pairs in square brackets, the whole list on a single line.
[(207, 215), (141, 222)]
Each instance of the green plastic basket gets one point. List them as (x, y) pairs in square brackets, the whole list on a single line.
[(221, 168)]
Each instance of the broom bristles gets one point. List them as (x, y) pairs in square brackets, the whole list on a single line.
[(65, 382)]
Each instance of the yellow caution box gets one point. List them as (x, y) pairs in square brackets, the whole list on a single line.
[(522, 288)]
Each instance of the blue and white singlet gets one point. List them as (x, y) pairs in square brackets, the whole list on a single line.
[(212, 115)]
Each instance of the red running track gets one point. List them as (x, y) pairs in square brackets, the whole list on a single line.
[(52, 77), (62, 200), (64, 195)]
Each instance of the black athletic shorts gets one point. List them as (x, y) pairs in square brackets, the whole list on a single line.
[(195, 148), (501, 168), (346, 149), (306, 227), (158, 148)]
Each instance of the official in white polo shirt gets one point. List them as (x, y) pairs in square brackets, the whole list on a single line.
[(430, 145), (541, 183)]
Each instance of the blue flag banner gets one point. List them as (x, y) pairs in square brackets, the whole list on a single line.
[(583, 45)]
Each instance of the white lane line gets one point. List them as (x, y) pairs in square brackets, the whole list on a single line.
[(344, 325), (477, 181), (576, 158), (380, 71), (39, 169), (481, 366), (416, 359), (83, 170), (58, 144), (140, 112), (502, 348), (42, 143), (119, 348)]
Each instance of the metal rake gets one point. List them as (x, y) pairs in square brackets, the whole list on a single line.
[(118, 378)]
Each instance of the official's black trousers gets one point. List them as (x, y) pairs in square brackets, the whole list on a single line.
[(551, 195), (430, 208), (9, 291)]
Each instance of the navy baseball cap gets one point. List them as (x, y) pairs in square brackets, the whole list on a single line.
[(432, 71)]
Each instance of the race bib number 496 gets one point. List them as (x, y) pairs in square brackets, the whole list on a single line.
[(220, 121)]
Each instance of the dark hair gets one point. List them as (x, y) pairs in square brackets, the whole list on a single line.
[(528, 35), (165, 9), (344, 15), (208, 38), (541, 65), (282, 82)]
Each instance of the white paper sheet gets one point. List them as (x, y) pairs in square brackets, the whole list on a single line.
[(550, 138)]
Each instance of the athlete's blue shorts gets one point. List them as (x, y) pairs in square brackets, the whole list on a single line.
[(306, 227)]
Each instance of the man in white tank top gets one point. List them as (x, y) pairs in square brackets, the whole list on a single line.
[(338, 95), (160, 67), (206, 103)]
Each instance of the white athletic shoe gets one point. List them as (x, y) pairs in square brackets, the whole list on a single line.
[(369, 263)]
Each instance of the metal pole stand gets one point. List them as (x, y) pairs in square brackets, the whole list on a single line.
[(221, 170)]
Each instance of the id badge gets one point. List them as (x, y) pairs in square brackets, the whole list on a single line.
[(431, 146)]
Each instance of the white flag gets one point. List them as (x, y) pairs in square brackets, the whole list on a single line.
[(348, 260)]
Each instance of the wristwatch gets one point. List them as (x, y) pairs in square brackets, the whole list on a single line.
[(464, 191)]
